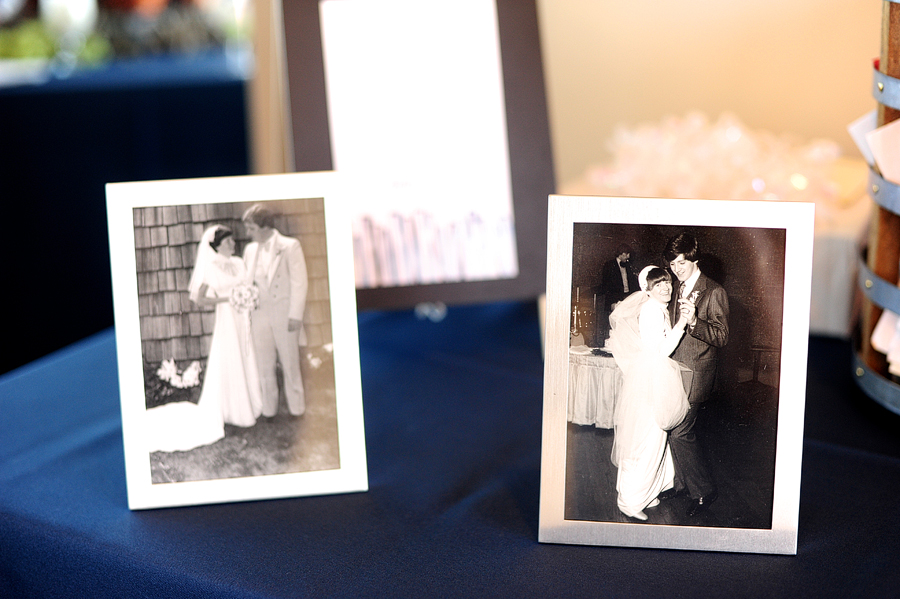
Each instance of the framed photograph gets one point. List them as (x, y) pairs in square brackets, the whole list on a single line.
[(436, 111), (238, 353), (675, 373)]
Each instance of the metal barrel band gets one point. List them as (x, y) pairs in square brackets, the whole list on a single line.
[(883, 192), (886, 89), (887, 296), (876, 289), (885, 392)]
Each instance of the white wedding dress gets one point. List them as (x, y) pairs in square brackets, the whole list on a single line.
[(231, 390), (652, 400)]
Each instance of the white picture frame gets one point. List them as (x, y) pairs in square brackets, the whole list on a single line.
[(769, 247), (154, 230)]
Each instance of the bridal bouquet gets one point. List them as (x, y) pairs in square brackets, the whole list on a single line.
[(245, 298)]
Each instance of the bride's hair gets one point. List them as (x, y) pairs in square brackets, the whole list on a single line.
[(221, 233), (656, 275)]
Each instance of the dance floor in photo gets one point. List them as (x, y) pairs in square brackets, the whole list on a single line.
[(737, 431), (276, 445)]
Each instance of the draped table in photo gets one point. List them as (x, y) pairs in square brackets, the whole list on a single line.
[(594, 383)]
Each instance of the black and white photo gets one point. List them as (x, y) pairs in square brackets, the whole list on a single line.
[(243, 334), (673, 399)]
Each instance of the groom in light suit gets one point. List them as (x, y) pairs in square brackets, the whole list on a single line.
[(278, 268), (704, 304)]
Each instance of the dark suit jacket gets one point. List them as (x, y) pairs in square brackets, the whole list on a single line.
[(699, 348), (611, 283)]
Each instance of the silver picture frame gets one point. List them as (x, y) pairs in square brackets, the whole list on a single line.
[(761, 253)]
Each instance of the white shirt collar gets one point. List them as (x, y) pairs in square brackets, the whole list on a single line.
[(689, 284), (269, 243)]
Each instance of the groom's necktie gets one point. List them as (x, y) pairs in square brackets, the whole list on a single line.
[(263, 260)]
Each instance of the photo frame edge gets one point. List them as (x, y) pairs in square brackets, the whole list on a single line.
[(121, 199), (797, 219)]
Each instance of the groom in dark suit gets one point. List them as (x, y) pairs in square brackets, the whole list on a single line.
[(704, 304)]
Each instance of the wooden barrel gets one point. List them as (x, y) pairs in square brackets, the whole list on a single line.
[(879, 274)]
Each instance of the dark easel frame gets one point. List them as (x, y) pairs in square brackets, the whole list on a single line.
[(531, 162)]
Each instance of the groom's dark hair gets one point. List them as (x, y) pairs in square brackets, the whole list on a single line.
[(683, 243), (259, 216)]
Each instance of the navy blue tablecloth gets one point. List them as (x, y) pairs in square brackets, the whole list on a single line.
[(453, 425)]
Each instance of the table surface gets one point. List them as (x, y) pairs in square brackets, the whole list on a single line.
[(153, 71), (453, 430)]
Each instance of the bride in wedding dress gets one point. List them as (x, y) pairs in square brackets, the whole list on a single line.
[(231, 390), (652, 399)]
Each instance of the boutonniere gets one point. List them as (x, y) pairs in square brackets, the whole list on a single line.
[(695, 295)]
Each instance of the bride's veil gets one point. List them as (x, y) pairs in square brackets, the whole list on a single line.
[(203, 262), (625, 334), (653, 392)]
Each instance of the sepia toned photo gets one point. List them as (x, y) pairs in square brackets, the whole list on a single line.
[(677, 391), (237, 363), (674, 375), (239, 352)]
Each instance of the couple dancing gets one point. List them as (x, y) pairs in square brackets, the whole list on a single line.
[(655, 448), (259, 302)]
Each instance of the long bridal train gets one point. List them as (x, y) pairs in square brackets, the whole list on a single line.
[(231, 388)]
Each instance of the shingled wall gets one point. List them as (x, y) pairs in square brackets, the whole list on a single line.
[(166, 238)]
